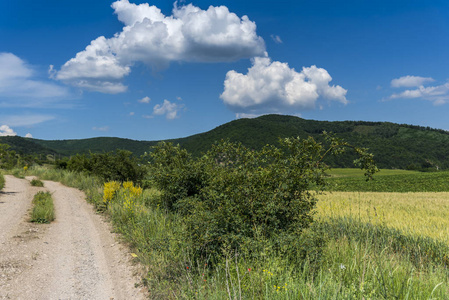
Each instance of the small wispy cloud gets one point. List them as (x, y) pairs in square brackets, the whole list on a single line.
[(410, 81), (145, 100), (437, 94), (276, 38), (25, 119), (103, 128), (169, 109), (22, 86)]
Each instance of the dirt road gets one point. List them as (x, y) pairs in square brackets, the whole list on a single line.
[(75, 257)]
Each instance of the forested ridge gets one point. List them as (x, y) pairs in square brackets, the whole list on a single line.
[(394, 145)]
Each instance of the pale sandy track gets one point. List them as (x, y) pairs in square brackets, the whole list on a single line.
[(75, 257)]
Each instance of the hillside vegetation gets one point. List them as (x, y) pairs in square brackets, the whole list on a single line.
[(243, 224), (394, 146)]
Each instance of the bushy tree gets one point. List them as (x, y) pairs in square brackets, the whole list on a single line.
[(233, 196), (8, 158), (175, 173), (120, 166)]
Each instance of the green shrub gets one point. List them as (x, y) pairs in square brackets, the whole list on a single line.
[(37, 182), (237, 198), (175, 173), (43, 210), (8, 158), (112, 166)]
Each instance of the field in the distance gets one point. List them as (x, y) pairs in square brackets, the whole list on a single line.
[(352, 180)]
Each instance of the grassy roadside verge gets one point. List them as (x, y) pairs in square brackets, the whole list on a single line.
[(2, 182), (43, 209), (361, 259)]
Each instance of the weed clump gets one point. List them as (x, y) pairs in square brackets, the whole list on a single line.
[(37, 183), (43, 209)]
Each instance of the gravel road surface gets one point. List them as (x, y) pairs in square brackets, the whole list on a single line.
[(75, 257)]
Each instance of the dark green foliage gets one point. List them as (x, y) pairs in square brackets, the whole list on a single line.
[(62, 163), (120, 166), (420, 182), (237, 198), (8, 158), (175, 173), (26, 146), (96, 145)]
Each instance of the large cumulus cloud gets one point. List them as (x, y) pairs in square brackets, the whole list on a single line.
[(190, 34), (274, 87)]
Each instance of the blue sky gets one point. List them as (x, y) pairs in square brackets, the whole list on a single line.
[(160, 69)]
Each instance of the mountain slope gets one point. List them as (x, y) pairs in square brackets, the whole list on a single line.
[(394, 145)]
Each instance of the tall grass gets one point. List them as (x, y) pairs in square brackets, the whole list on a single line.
[(362, 259), (43, 209), (2, 181), (91, 185)]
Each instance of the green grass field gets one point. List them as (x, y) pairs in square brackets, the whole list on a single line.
[(352, 172), (352, 180)]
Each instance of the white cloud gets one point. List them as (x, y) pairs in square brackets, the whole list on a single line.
[(19, 86), (5, 130), (276, 38), (29, 135), (25, 119), (104, 128), (274, 87), (145, 99), (190, 34), (436, 94), (132, 113), (246, 116), (410, 81), (170, 110)]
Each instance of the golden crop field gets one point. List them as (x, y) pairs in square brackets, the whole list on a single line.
[(424, 214)]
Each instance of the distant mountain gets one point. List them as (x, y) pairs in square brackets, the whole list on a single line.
[(394, 145)]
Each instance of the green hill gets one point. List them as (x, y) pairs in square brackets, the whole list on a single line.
[(394, 145), (26, 146)]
